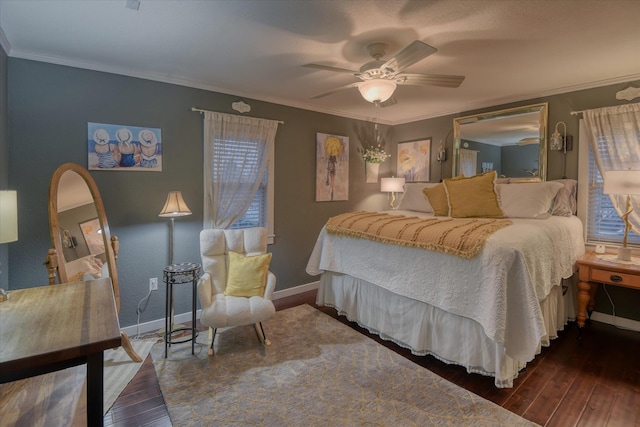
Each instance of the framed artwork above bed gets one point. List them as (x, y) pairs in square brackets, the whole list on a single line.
[(414, 160)]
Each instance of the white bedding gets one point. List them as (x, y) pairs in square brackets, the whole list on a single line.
[(500, 289)]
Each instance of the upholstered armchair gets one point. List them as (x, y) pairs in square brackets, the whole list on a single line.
[(236, 287)]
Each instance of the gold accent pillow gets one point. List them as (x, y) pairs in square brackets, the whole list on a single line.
[(473, 197), (437, 197), (247, 275)]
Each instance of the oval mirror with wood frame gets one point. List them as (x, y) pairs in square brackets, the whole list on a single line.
[(83, 248)]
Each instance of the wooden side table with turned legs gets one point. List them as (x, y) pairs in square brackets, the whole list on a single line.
[(594, 269)]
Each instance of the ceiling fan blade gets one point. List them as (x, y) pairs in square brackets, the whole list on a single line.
[(408, 56), (338, 89), (389, 102), (442, 80), (330, 68)]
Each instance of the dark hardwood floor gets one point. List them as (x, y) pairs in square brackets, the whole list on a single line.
[(590, 382)]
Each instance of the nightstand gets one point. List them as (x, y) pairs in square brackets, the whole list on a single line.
[(594, 269)]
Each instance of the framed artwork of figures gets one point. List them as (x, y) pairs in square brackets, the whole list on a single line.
[(332, 167), (414, 160)]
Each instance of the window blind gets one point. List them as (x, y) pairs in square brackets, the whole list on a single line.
[(603, 222)]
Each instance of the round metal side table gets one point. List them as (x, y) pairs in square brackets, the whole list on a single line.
[(176, 274)]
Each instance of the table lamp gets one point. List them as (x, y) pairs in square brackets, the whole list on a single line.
[(392, 185), (625, 183), (173, 207)]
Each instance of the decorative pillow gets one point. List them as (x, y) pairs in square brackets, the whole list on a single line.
[(473, 197), (565, 203), (247, 275), (528, 199), (414, 198), (437, 197)]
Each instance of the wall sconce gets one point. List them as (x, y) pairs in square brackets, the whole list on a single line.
[(392, 185), (623, 182), (562, 143), (174, 207)]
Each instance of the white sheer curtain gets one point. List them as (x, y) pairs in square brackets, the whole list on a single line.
[(614, 136), (468, 162), (236, 154)]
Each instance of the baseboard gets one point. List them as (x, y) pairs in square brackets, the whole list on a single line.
[(620, 322), (296, 290), (157, 324)]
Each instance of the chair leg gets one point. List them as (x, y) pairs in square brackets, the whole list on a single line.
[(260, 333), (212, 336)]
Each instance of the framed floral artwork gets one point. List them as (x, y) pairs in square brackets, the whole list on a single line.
[(332, 167), (414, 160)]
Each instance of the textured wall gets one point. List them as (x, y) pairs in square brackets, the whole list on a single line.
[(49, 108)]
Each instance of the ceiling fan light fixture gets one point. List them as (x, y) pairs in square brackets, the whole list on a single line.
[(377, 90)]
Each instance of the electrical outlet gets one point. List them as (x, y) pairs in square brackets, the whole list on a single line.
[(153, 284)]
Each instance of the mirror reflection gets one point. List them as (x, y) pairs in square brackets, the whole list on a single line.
[(83, 248), (512, 142)]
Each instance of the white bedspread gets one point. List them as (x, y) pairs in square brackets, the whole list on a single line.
[(499, 288)]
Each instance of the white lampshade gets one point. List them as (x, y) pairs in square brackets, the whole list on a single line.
[(621, 182), (377, 90), (175, 206), (8, 216), (392, 185)]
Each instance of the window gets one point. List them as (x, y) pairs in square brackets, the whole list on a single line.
[(238, 171), (260, 212), (601, 220)]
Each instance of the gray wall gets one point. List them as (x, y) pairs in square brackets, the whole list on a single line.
[(626, 301), (4, 161), (50, 106)]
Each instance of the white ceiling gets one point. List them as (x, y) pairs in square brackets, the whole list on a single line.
[(509, 50)]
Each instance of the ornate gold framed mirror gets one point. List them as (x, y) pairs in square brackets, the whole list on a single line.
[(511, 141), (83, 248)]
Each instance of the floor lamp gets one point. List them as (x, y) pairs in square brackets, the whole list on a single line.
[(173, 207)]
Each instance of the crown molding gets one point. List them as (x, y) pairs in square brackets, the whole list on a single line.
[(275, 100)]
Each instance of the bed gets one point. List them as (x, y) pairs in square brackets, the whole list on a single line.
[(491, 312)]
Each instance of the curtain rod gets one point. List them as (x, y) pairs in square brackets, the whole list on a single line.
[(199, 110), (574, 113)]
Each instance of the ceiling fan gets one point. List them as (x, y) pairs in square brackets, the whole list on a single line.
[(380, 77)]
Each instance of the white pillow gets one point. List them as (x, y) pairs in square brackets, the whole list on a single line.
[(414, 199), (527, 199)]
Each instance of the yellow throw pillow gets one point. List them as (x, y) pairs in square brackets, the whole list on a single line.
[(438, 197), (474, 197), (247, 275)]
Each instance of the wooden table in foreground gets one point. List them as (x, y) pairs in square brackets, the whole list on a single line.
[(593, 269), (50, 328)]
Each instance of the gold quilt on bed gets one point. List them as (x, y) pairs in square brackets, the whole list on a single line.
[(460, 236)]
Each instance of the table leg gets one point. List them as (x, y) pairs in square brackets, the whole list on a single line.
[(193, 318), (95, 390), (166, 319), (584, 296)]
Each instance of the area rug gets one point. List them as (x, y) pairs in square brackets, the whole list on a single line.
[(316, 372), (51, 399)]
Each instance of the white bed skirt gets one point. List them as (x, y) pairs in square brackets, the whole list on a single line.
[(425, 329)]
